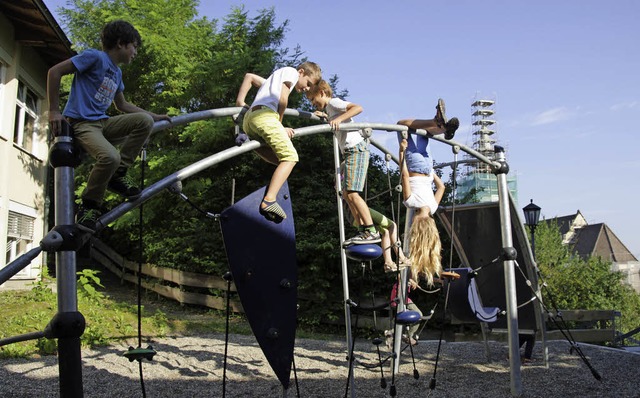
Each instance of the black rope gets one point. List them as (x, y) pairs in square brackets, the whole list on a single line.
[(198, 208), (562, 326), (432, 383), (295, 375), (350, 303), (228, 311), (228, 277), (177, 188)]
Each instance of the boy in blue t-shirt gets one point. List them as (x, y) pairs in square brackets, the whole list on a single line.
[(97, 83)]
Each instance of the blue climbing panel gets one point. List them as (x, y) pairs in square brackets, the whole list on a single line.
[(262, 259)]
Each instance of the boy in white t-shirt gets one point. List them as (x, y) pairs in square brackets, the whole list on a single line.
[(263, 121), (355, 149)]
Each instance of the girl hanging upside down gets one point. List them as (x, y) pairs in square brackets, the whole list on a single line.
[(417, 177)]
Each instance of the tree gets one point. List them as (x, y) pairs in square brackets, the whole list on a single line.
[(188, 64), (574, 283)]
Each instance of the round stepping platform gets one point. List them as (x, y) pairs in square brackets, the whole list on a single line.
[(137, 354), (367, 252), (408, 317)]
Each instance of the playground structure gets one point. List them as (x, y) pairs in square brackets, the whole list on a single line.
[(65, 239)]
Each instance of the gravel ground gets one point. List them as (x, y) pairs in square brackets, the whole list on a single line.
[(193, 367)]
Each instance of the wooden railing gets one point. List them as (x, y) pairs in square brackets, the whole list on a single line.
[(155, 279)]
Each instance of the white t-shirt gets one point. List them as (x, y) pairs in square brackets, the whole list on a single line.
[(346, 139), (421, 193), (269, 93)]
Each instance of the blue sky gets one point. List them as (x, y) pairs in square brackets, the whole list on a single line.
[(565, 76)]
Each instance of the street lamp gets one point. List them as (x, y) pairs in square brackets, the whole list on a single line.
[(531, 216)]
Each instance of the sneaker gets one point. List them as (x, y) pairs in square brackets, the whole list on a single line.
[(349, 242), (441, 116), (366, 237), (450, 128), (123, 185), (87, 217)]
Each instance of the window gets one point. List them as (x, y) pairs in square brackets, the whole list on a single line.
[(19, 235), (26, 122)]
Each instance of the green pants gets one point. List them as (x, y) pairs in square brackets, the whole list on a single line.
[(99, 138)]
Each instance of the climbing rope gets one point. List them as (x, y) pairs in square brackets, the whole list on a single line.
[(139, 353), (561, 325), (177, 189), (456, 149)]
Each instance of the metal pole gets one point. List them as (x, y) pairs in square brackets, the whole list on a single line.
[(69, 356), (343, 260), (402, 293), (509, 274), (533, 241)]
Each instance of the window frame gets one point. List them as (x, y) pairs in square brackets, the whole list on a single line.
[(20, 237), (23, 110)]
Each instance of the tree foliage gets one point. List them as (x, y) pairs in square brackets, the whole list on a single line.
[(186, 64), (189, 64), (574, 283)]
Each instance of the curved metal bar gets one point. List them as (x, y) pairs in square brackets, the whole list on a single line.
[(214, 159), (180, 175), (221, 112), (397, 127)]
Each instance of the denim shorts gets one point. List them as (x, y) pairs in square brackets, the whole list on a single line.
[(418, 154)]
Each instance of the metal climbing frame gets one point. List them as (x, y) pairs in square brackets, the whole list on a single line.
[(64, 239)]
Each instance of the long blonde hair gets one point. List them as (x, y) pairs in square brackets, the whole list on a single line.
[(425, 247)]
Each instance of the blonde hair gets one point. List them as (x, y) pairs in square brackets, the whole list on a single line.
[(425, 247), (321, 86), (311, 69)]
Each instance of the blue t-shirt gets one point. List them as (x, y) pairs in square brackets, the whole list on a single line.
[(94, 86)]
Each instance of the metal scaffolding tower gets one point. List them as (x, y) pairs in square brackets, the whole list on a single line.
[(479, 176)]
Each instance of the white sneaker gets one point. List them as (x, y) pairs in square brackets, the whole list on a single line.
[(366, 237)]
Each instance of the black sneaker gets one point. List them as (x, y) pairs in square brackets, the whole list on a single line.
[(441, 116), (366, 237), (123, 185), (87, 217), (450, 128)]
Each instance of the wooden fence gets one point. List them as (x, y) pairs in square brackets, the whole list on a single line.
[(168, 282), (593, 326), (588, 326)]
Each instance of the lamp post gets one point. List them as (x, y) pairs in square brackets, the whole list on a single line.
[(531, 216)]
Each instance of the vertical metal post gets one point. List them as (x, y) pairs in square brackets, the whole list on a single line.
[(343, 258), (402, 293), (69, 358), (509, 274)]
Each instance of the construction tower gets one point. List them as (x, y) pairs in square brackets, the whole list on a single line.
[(478, 175)]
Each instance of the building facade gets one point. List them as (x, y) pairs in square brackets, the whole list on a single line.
[(30, 43), (586, 240)]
